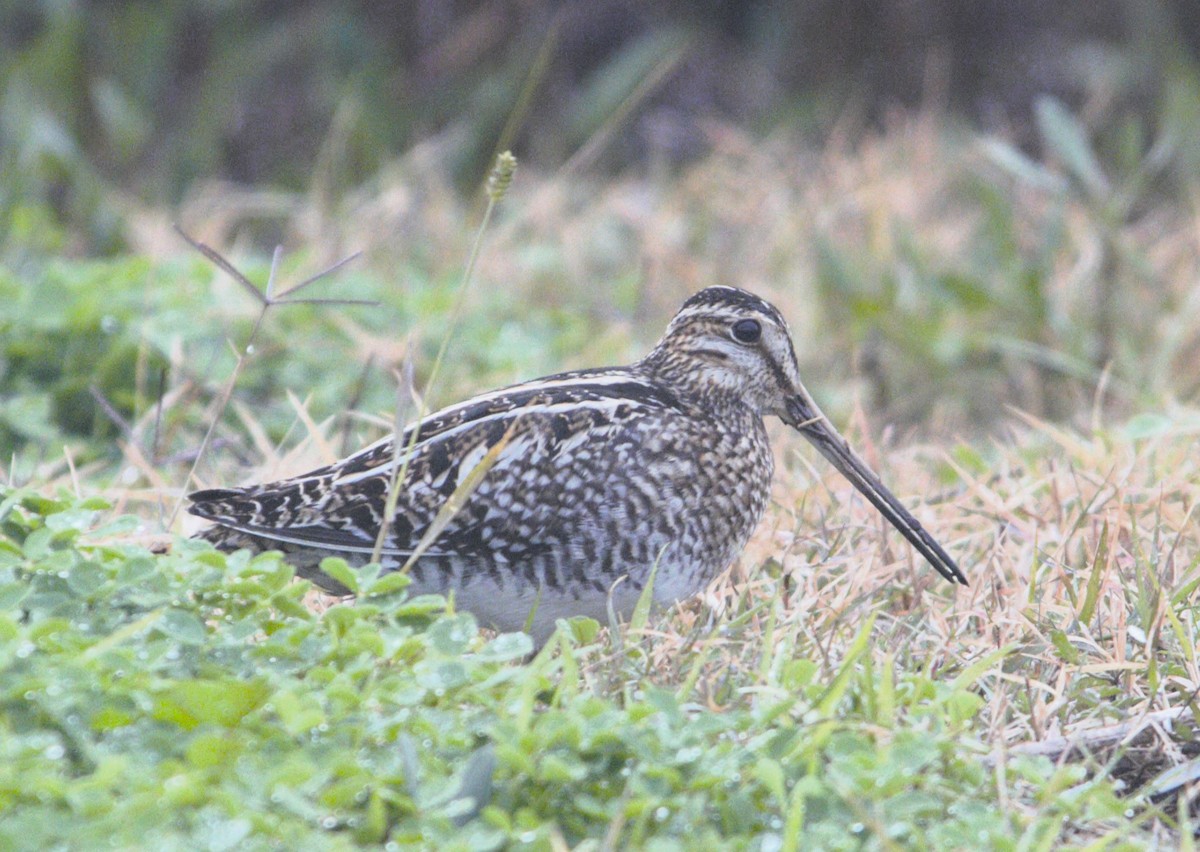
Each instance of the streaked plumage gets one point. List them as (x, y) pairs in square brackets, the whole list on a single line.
[(600, 475)]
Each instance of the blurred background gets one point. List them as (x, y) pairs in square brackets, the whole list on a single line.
[(962, 206), (156, 96)]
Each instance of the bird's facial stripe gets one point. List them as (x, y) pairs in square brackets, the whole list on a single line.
[(782, 381), (780, 357), (703, 334), (710, 353), (719, 322)]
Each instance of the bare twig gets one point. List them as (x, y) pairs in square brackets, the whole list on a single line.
[(1090, 739), (110, 412), (266, 300)]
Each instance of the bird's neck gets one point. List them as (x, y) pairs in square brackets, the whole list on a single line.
[(707, 387)]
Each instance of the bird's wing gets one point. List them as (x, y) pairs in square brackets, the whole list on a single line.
[(536, 433)]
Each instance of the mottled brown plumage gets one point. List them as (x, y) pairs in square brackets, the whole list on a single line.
[(596, 477)]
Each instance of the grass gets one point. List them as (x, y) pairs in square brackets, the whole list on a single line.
[(829, 687)]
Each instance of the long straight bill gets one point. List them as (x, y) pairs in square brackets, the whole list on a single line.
[(806, 418)]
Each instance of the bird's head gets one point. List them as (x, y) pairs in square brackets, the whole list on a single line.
[(728, 344), (725, 345)]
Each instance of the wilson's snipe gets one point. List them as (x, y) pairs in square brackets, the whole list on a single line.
[(599, 475)]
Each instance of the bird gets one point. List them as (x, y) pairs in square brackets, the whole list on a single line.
[(569, 494)]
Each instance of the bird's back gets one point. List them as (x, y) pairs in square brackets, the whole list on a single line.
[(587, 478)]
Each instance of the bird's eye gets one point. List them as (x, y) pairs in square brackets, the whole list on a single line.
[(747, 331)]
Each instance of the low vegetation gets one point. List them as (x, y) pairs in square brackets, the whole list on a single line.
[(829, 692)]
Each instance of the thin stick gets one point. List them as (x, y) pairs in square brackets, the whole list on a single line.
[(266, 301), (1055, 747), (497, 185), (226, 395)]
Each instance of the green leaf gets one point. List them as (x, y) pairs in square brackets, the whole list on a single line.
[(770, 774), (86, 578), (826, 704), (451, 634), (341, 618), (120, 525), (476, 784), (641, 610), (1147, 425), (75, 519), (212, 750), (1099, 564), (1067, 652), (218, 702), (11, 595), (442, 675), (10, 554), (388, 583), (422, 605), (794, 826), (966, 679), (1022, 168), (583, 630), (182, 626), (340, 570), (1068, 139), (508, 646), (300, 712), (37, 543)]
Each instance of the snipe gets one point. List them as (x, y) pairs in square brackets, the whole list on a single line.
[(599, 475)]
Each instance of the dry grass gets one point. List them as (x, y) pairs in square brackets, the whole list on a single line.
[(1061, 513)]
